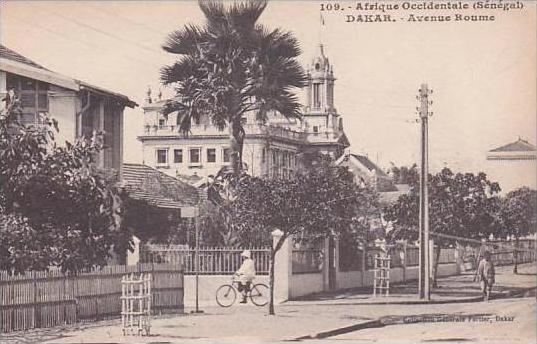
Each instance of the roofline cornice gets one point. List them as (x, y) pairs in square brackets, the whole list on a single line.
[(57, 79)]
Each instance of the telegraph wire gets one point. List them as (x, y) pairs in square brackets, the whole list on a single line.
[(86, 42), (128, 20), (34, 27), (103, 32)]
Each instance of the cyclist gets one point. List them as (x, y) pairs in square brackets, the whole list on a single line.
[(245, 274)]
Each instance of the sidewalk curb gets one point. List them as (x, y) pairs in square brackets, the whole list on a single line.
[(511, 293), (380, 322), (343, 330)]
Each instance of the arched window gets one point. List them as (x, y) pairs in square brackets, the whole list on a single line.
[(316, 95)]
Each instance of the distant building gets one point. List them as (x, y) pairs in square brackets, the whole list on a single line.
[(270, 150), (80, 108), (513, 165), (367, 172)]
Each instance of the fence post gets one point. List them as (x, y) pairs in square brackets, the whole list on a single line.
[(133, 257), (458, 258), (336, 263), (404, 261), (364, 263), (37, 292), (282, 266), (326, 264), (64, 298)]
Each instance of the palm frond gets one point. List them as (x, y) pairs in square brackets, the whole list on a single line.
[(233, 65), (186, 40), (215, 13), (276, 43), (242, 16), (286, 103), (186, 68)]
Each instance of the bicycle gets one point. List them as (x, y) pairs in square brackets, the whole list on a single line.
[(227, 294)]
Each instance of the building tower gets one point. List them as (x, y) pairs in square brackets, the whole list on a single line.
[(321, 120), (320, 91), (270, 149)]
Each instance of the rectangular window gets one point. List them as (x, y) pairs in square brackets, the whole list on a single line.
[(162, 156), (211, 155), (177, 156), (32, 93), (28, 84), (226, 156), (161, 122), (195, 155)]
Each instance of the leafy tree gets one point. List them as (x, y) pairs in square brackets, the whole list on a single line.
[(56, 207), (462, 205), (405, 175), (318, 202), (221, 193), (519, 216), (232, 66)]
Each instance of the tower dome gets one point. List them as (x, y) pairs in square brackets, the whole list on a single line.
[(320, 62)]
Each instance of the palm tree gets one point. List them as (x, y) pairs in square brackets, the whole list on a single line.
[(232, 66)]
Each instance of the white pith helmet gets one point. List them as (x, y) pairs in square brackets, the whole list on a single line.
[(246, 253)]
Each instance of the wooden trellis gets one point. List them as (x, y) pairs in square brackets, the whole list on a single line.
[(136, 304), (381, 282)]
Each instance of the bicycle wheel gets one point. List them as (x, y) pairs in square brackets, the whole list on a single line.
[(226, 295), (259, 294)]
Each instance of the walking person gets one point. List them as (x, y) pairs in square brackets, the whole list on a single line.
[(486, 274), (245, 274)]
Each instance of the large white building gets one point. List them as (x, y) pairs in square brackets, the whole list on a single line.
[(513, 165), (270, 149)]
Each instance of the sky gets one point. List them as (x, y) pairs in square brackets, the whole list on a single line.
[(483, 74)]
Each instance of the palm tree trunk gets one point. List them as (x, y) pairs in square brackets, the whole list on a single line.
[(236, 140)]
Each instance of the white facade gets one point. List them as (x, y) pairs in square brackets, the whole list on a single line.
[(270, 150), (513, 165), (80, 109)]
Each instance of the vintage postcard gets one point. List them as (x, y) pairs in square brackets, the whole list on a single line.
[(268, 171)]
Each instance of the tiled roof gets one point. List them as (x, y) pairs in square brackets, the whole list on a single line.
[(369, 165), (517, 146), (38, 72), (9, 54), (148, 184)]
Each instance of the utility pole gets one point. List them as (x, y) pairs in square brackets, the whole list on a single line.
[(425, 254), (196, 219), (197, 214)]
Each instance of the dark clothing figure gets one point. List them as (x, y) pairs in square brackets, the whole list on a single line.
[(486, 274), (244, 287)]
